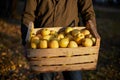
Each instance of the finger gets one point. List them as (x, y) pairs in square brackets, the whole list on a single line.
[(90, 23)]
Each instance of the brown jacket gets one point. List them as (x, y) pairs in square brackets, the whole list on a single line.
[(52, 13)]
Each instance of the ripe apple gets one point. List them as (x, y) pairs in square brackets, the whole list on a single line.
[(72, 44), (80, 35), (85, 32), (33, 45), (63, 43), (78, 38), (75, 32), (45, 32), (94, 40), (43, 43), (68, 30), (53, 32), (47, 37), (87, 42), (35, 39), (88, 36), (69, 36), (39, 35), (60, 36), (53, 43)]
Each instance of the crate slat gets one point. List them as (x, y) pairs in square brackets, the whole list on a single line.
[(62, 51), (87, 66), (57, 28), (65, 60)]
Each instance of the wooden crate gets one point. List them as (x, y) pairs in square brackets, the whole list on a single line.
[(65, 59)]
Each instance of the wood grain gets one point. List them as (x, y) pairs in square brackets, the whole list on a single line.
[(65, 59), (89, 66), (62, 51)]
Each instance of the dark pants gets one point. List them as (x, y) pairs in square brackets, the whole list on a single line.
[(68, 75)]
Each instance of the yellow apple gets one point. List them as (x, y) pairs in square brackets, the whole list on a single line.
[(75, 32), (45, 31), (88, 36), (47, 37), (78, 38), (94, 40), (80, 35), (85, 32), (43, 43), (87, 42), (53, 43), (39, 35), (72, 44), (33, 45), (69, 36), (60, 36), (53, 32), (68, 30), (35, 39), (63, 43)]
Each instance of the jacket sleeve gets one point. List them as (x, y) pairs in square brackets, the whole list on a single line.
[(27, 16), (87, 11), (29, 11)]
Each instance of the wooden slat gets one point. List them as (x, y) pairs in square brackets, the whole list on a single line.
[(65, 60), (62, 51), (53, 64), (57, 28), (88, 66)]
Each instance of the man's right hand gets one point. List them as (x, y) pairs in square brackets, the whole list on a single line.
[(90, 24)]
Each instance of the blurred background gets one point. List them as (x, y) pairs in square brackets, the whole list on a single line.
[(14, 66)]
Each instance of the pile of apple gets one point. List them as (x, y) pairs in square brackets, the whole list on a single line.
[(67, 38)]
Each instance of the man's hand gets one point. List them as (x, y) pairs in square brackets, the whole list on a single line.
[(90, 24)]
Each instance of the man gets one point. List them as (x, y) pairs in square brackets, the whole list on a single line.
[(52, 13)]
